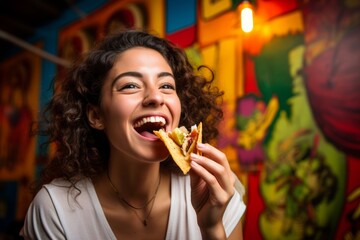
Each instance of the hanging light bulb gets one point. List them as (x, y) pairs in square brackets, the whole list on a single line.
[(246, 16)]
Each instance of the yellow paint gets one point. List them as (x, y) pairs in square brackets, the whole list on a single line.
[(221, 27), (225, 71), (208, 58), (212, 8), (289, 23), (239, 69), (265, 31), (157, 16), (257, 127), (208, 55)]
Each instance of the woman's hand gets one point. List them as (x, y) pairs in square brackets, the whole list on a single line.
[(212, 184)]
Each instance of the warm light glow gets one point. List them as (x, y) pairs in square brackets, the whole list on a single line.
[(245, 11), (247, 22)]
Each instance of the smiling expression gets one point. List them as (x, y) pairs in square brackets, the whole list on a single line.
[(138, 96)]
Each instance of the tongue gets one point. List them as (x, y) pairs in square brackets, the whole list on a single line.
[(148, 135)]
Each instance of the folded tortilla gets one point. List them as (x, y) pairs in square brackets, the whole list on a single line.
[(183, 161)]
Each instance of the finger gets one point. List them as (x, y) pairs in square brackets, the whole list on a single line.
[(216, 155), (217, 195), (213, 153), (215, 170), (212, 184)]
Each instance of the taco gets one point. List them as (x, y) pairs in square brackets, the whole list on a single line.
[(181, 143)]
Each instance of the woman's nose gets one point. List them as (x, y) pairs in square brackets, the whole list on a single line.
[(153, 97)]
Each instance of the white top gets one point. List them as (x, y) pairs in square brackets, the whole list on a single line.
[(55, 214)]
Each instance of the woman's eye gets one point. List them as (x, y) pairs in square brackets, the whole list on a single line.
[(168, 86), (128, 86)]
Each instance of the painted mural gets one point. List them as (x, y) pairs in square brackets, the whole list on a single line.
[(289, 85), (291, 127), (19, 99)]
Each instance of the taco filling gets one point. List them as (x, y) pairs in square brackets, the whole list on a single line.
[(181, 143)]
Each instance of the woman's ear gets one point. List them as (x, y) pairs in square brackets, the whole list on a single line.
[(94, 117)]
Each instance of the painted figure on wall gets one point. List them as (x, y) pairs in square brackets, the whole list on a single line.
[(303, 180), (332, 70), (253, 118), (16, 116)]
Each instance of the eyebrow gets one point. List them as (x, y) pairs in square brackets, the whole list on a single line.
[(138, 75)]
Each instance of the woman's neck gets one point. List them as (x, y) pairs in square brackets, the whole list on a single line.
[(135, 182)]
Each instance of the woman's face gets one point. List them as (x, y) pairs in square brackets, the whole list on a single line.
[(139, 96)]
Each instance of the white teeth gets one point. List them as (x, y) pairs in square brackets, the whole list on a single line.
[(152, 119)]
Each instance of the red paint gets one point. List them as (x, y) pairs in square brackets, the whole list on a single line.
[(184, 37), (255, 205)]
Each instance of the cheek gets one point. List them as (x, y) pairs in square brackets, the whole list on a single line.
[(176, 108), (116, 118), (115, 111)]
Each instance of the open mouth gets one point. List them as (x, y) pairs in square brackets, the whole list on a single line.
[(147, 125)]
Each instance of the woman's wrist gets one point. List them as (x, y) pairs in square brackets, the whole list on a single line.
[(216, 232)]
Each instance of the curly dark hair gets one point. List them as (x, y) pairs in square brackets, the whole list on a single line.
[(82, 151)]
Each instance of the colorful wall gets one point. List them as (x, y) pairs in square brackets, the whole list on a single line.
[(292, 104)]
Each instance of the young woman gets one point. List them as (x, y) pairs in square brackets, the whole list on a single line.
[(111, 177)]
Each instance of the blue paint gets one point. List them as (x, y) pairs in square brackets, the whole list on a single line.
[(49, 35), (179, 14)]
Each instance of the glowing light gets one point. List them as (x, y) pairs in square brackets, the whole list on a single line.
[(246, 16)]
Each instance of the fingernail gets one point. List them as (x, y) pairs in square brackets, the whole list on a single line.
[(194, 156), (194, 164), (200, 145)]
